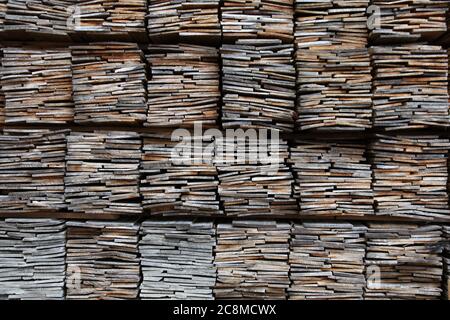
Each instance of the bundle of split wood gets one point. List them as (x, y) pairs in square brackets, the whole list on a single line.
[(334, 89), (403, 261), (37, 84), (32, 259), (331, 24), (410, 176), (32, 170), (252, 19), (177, 260), (38, 20), (179, 176), (252, 260), (175, 21), (103, 172), (258, 85), (109, 19), (327, 261), (255, 179), (109, 83), (184, 85), (332, 178), (102, 260), (407, 21), (410, 86)]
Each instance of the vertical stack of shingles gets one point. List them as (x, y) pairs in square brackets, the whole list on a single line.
[(32, 170), (332, 178), (110, 19), (410, 86), (103, 172), (109, 83), (37, 84), (32, 259), (408, 20), (410, 176), (252, 260), (258, 85), (447, 262), (327, 261), (193, 21), (403, 261), (252, 19), (102, 260), (2, 94), (255, 179), (333, 65), (179, 176), (184, 85), (177, 260)]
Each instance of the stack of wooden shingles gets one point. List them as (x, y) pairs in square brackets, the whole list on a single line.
[(179, 180), (447, 262), (408, 21), (2, 94), (255, 179), (184, 85), (38, 19), (332, 178), (258, 85), (103, 172), (32, 259), (333, 65), (109, 19), (32, 170), (410, 176), (252, 260), (403, 261), (252, 19), (109, 83), (2, 16), (193, 21), (37, 84), (177, 260), (410, 86), (327, 261), (102, 260)]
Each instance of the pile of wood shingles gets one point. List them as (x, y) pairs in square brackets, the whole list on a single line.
[(446, 279)]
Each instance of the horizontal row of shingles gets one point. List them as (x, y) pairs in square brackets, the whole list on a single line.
[(200, 260), (126, 173), (107, 83)]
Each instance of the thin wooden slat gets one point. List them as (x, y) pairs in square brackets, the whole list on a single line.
[(32, 259), (402, 262), (102, 260), (102, 174), (184, 85), (109, 83), (252, 260), (446, 259), (177, 260)]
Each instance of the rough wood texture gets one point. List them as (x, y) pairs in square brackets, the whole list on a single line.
[(102, 260), (410, 86), (109, 83), (190, 21), (32, 259), (252, 19), (403, 262), (446, 259), (252, 260), (258, 85), (254, 182), (102, 173), (185, 185), (177, 260), (184, 85), (327, 261), (410, 176), (332, 178), (37, 84), (32, 170), (409, 21)]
